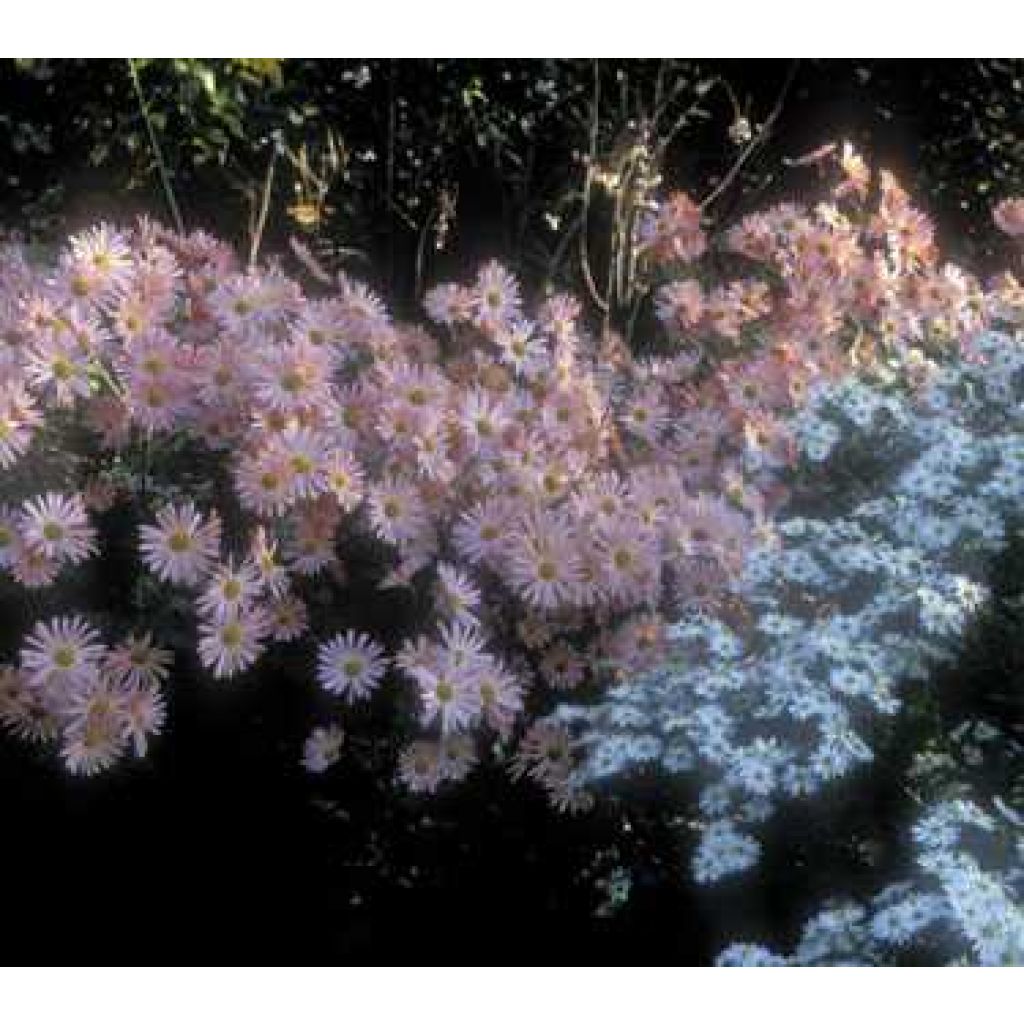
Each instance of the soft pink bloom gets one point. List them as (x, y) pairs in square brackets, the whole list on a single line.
[(183, 546), (137, 661), (351, 665), (233, 645), (230, 591), (57, 525), (543, 561), (63, 652), (1009, 217)]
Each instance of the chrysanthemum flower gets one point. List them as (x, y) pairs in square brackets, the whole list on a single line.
[(59, 369), (289, 617), (457, 596), (293, 377), (183, 546), (94, 736), (322, 748), (496, 297), (1009, 217), (32, 568), (143, 712), (137, 661), (450, 696), (57, 525), (543, 562), (63, 652), (231, 646), (98, 262), (19, 419), (420, 766), (481, 533), (351, 665), (264, 482), (344, 477), (230, 591), (500, 696), (272, 574), (397, 512)]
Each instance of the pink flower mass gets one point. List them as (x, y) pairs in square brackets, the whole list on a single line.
[(544, 496)]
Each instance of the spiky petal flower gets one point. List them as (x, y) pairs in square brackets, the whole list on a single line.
[(182, 546), (137, 661), (350, 665), (231, 646), (57, 525), (64, 652)]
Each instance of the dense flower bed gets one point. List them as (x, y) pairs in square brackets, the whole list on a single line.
[(554, 500)]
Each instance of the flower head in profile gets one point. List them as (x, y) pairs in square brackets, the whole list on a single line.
[(351, 665), (138, 661), (322, 748), (457, 595), (57, 525), (95, 734), (64, 651), (19, 419), (182, 546), (1009, 217), (143, 713)]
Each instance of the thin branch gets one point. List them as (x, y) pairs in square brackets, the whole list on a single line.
[(261, 220), (165, 178), (756, 142)]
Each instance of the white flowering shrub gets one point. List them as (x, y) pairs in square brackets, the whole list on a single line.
[(849, 612), (964, 905)]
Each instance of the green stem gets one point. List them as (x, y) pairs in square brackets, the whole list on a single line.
[(165, 178)]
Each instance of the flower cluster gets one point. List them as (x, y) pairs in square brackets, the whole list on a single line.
[(964, 907), (852, 608), (556, 503), (98, 702)]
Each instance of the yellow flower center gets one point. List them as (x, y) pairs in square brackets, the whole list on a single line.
[(64, 656), (231, 635), (179, 542), (53, 531)]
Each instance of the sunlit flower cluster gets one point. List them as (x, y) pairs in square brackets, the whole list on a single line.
[(554, 508)]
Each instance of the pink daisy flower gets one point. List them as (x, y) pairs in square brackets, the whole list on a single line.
[(496, 296), (94, 734), (32, 568), (138, 662), (19, 419), (500, 696), (457, 596), (449, 696), (543, 562), (481, 533), (289, 617), (351, 665), (263, 482), (63, 652), (143, 713), (397, 512), (59, 369), (232, 646), (57, 525), (182, 546), (420, 766), (230, 591)]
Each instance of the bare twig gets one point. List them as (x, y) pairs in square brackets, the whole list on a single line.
[(588, 277), (756, 142), (261, 220), (165, 178)]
